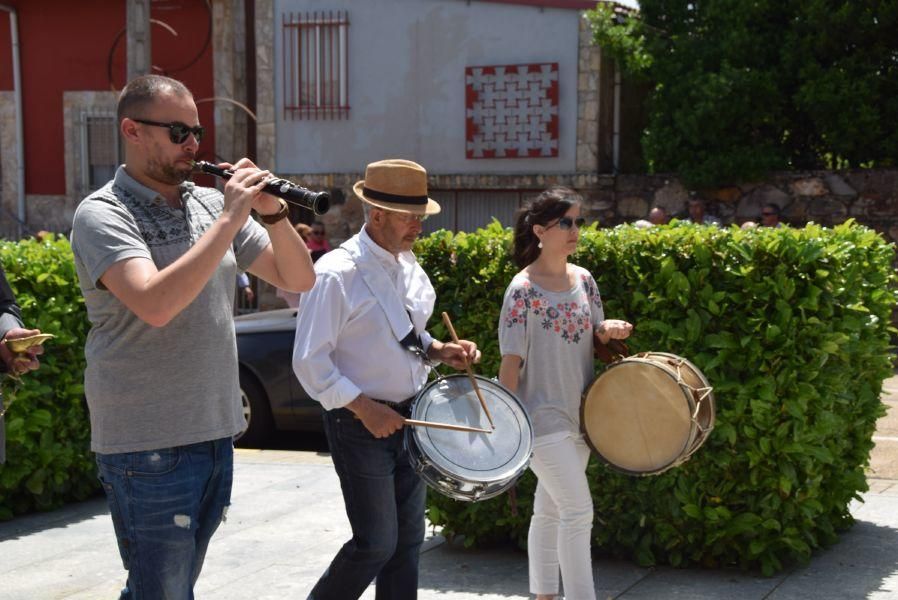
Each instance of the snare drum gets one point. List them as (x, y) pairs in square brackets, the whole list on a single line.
[(463, 465), (648, 413)]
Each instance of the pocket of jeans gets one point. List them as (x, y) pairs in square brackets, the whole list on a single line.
[(350, 427), (154, 462)]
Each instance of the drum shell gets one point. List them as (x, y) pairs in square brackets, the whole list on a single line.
[(683, 396), (448, 476)]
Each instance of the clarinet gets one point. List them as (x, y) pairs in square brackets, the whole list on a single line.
[(317, 202)]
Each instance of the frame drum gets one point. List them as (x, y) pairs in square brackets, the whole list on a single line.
[(464, 465), (648, 413)]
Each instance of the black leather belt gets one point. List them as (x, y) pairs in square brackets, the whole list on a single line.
[(403, 407)]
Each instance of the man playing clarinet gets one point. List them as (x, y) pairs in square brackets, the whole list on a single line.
[(157, 258)]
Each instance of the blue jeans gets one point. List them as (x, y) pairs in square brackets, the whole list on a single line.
[(384, 500), (165, 506)]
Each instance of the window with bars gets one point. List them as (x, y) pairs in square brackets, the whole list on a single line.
[(469, 210), (100, 153), (315, 63)]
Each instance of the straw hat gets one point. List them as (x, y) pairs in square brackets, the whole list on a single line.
[(396, 184)]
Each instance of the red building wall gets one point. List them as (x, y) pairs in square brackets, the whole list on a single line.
[(68, 46)]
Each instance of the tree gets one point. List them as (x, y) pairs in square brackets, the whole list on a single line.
[(741, 88)]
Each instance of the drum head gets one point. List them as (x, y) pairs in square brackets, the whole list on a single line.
[(480, 457), (637, 416)]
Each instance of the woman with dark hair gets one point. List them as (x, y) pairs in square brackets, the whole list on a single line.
[(552, 310)]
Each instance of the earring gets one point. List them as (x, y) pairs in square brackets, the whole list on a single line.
[(539, 245)]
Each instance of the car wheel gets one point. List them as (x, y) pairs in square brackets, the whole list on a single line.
[(256, 411)]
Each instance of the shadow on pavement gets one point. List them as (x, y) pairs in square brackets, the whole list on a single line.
[(862, 564), (295, 440), (60, 518)]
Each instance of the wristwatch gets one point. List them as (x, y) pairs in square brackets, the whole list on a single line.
[(278, 216)]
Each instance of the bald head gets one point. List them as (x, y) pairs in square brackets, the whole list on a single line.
[(658, 216), (142, 91)]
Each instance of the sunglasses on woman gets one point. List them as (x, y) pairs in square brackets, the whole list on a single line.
[(177, 131), (565, 223)]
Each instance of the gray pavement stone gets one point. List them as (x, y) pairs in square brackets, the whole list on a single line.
[(700, 584), (287, 521)]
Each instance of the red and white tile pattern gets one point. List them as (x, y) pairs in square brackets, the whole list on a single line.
[(511, 111)]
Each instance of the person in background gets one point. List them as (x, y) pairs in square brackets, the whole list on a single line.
[(770, 215), (244, 287), (318, 244), (551, 314), (304, 231), (697, 211), (658, 216), (11, 328), (157, 258)]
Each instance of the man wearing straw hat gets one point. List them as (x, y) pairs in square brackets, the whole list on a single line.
[(363, 352)]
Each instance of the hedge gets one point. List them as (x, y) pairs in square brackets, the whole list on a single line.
[(792, 328), (47, 432)]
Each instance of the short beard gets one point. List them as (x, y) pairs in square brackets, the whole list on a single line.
[(168, 174)]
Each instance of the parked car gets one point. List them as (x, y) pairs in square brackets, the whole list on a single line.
[(272, 397)]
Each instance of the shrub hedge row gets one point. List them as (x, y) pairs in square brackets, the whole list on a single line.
[(47, 431), (791, 327)]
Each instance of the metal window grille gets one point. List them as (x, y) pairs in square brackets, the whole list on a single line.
[(468, 210), (100, 153), (315, 65)]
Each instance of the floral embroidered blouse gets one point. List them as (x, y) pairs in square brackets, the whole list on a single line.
[(552, 332)]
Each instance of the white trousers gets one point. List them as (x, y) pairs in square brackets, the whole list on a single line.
[(561, 527)]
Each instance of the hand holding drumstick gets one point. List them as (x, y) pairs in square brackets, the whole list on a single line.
[(467, 367), (381, 420)]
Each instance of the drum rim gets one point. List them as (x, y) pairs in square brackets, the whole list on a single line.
[(693, 429), (412, 437)]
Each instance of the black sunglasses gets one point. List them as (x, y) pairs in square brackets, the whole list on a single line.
[(565, 223), (177, 131), (769, 214)]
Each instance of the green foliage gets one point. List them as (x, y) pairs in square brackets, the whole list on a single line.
[(622, 38), (47, 431), (790, 326), (745, 87)]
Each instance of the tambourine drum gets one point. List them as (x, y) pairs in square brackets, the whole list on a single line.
[(463, 465), (648, 413)]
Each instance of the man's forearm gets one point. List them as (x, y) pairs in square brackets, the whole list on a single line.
[(291, 258)]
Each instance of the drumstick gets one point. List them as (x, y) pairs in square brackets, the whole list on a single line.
[(417, 423), (451, 329)]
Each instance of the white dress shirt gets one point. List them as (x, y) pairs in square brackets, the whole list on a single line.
[(346, 342)]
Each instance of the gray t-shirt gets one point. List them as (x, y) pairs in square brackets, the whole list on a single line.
[(158, 387), (552, 332)]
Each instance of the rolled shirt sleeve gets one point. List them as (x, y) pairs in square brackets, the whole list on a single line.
[(318, 324)]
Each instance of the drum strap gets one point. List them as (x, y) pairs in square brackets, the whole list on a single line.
[(412, 342), (378, 283), (611, 352)]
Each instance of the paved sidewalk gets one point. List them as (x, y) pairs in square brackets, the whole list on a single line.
[(287, 521)]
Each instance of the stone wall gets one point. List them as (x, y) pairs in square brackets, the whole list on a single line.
[(826, 197)]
